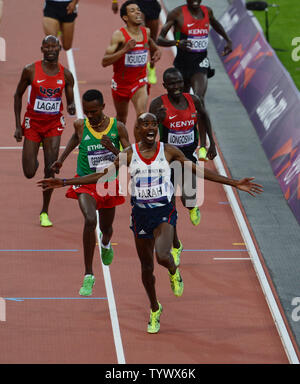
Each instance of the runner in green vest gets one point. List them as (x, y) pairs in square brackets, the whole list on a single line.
[(99, 138)]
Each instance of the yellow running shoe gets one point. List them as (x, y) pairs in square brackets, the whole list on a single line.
[(195, 216), (151, 74), (202, 154), (44, 220), (176, 252), (176, 283), (154, 323)]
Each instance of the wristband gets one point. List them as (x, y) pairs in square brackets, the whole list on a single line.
[(115, 1), (64, 182), (177, 43)]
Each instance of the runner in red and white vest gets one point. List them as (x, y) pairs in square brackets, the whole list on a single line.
[(190, 24), (43, 121), (129, 51)]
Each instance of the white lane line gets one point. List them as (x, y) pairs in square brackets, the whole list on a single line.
[(105, 269), (232, 258), (277, 317)]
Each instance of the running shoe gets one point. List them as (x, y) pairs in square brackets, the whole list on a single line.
[(107, 255), (87, 286), (195, 216), (151, 74), (176, 283), (154, 324), (202, 154), (44, 220), (176, 252)]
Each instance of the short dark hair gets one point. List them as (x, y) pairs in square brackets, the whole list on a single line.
[(123, 9), (93, 94), (170, 71)]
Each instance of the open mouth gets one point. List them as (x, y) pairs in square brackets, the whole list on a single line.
[(150, 135)]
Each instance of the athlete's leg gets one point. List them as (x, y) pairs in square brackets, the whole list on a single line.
[(51, 150), (145, 249), (29, 157), (164, 235), (88, 208), (51, 26), (106, 216), (67, 34), (139, 100), (121, 107)]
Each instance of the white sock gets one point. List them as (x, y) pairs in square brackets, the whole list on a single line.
[(105, 246)]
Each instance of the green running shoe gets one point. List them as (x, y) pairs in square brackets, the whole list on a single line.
[(151, 74), (202, 154), (176, 283), (154, 323), (107, 255), (44, 220), (87, 286), (176, 252), (195, 216)]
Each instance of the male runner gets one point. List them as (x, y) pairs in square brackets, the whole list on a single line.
[(182, 119), (191, 28), (43, 120), (128, 53), (94, 135), (153, 214), (151, 10)]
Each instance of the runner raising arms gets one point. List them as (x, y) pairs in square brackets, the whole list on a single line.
[(43, 120), (153, 214)]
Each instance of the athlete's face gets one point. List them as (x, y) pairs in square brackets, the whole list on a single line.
[(134, 15), (93, 110), (148, 127), (174, 84), (50, 48), (193, 4)]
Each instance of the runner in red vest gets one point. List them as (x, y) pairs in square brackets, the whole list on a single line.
[(43, 120), (191, 27), (128, 53)]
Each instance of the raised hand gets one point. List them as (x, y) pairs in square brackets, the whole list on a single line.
[(247, 185)]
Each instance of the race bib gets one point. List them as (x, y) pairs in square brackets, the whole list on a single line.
[(99, 160), (199, 44), (181, 139), (136, 58), (49, 106)]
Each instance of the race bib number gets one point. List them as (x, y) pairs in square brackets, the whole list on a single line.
[(181, 139), (136, 58), (99, 160), (199, 44), (49, 106)]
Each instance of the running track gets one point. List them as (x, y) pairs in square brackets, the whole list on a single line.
[(223, 316)]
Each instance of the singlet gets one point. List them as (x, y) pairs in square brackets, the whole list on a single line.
[(196, 31), (45, 94), (93, 156), (179, 127), (133, 65), (151, 184)]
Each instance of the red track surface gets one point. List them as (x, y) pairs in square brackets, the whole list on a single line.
[(221, 318)]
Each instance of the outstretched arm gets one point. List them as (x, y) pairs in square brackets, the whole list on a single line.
[(88, 179), (245, 184), (221, 31)]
